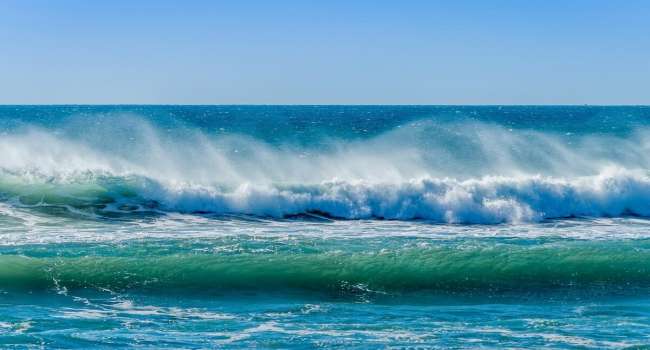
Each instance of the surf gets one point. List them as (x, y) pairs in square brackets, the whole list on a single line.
[(489, 200), (447, 169)]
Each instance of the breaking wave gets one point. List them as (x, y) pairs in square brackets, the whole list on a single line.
[(463, 172), (487, 200)]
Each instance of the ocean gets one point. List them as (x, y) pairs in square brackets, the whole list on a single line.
[(298, 227)]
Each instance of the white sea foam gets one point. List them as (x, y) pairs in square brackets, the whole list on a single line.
[(614, 192)]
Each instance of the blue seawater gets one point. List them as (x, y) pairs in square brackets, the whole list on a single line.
[(348, 227)]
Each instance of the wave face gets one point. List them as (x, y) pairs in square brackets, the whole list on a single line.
[(444, 164), (484, 268)]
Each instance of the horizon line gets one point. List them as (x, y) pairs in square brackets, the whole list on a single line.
[(318, 105)]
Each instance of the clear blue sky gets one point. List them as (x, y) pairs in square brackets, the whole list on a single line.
[(323, 52)]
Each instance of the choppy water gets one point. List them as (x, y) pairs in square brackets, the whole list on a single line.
[(324, 226)]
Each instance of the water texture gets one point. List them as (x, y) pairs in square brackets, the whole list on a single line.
[(324, 226)]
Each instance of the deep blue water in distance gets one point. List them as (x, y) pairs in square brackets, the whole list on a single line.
[(325, 226)]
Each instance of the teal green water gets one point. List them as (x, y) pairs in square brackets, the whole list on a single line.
[(324, 226)]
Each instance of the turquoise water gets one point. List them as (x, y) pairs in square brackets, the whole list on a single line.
[(324, 226)]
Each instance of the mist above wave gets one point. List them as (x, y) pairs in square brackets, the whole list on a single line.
[(128, 144)]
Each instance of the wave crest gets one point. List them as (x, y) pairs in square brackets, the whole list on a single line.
[(467, 172), (488, 200)]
